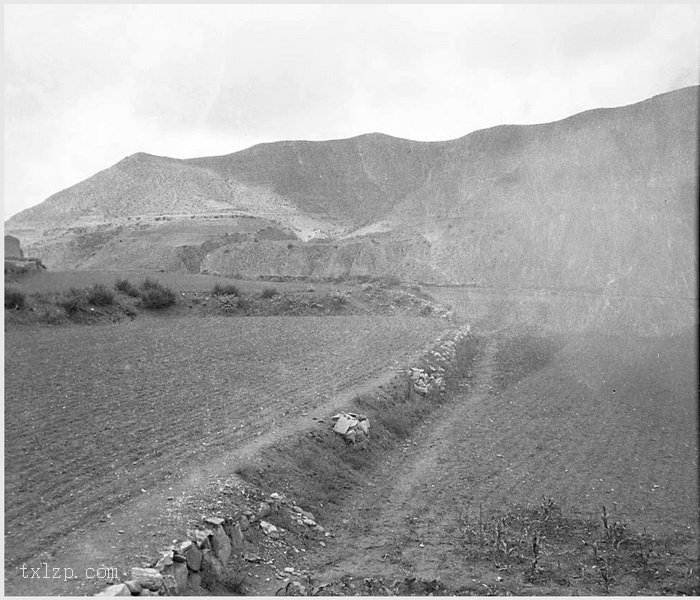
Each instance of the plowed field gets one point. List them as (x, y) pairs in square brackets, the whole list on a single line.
[(98, 415), (588, 421)]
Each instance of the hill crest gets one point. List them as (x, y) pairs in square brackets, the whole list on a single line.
[(602, 200)]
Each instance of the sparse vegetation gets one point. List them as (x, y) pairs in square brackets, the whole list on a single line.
[(73, 301), (339, 299), (269, 292), (155, 295), (225, 290), (556, 551), (100, 295), (14, 299), (126, 287)]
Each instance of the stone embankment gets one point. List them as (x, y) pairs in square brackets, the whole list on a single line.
[(216, 552)]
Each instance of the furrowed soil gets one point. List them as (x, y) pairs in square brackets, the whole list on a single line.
[(588, 421), (104, 422), (565, 461), (562, 460)]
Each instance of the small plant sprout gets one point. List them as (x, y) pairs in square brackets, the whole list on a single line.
[(537, 541), (546, 506), (604, 518)]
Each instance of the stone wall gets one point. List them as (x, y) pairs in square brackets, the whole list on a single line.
[(215, 550)]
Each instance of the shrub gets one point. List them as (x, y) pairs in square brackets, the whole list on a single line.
[(126, 287), (268, 292), (100, 295), (339, 298), (155, 295), (150, 284), (14, 299), (75, 301), (225, 290)]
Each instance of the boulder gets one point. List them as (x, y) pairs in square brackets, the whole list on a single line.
[(169, 585), (236, 536), (221, 544), (269, 530), (194, 557), (179, 572), (194, 581), (212, 566), (116, 590), (344, 423), (148, 578), (134, 587), (166, 559), (201, 537)]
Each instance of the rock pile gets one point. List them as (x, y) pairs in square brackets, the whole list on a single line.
[(352, 427), (179, 569), (422, 379), (212, 548), (429, 378)]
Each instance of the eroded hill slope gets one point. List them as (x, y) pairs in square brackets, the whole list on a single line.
[(604, 201)]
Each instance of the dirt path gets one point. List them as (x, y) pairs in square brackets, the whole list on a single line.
[(589, 420), (157, 512), (590, 423), (412, 526)]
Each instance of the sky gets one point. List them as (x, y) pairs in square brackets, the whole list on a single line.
[(87, 85)]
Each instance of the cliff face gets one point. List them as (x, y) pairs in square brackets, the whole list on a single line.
[(605, 200), (409, 259)]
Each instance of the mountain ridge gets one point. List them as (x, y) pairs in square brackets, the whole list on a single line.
[(603, 200)]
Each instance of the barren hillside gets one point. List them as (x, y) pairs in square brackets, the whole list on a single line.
[(604, 201)]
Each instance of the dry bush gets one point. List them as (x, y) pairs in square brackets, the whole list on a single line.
[(100, 295), (126, 287), (14, 298), (74, 301), (156, 295), (225, 290)]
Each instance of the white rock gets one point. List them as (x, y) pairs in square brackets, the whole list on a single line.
[(267, 528), (344, 424)]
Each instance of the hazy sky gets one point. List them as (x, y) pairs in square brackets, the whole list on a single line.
[(87, 85)]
